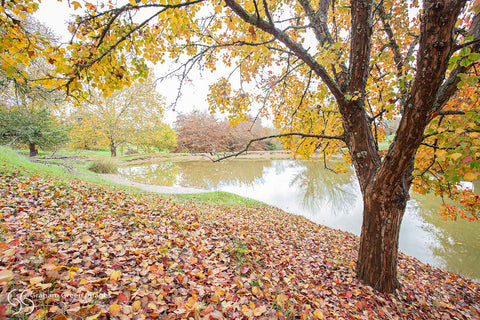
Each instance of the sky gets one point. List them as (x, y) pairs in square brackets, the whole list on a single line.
[(55, 15)]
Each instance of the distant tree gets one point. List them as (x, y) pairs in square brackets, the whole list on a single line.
[(132, 116), (199, 132), (32, 127), (239, 135), (203, 132)]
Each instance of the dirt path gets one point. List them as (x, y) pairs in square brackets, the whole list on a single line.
[(118, 179)]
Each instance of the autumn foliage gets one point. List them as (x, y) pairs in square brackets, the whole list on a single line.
[(203, 132), (326, 73)]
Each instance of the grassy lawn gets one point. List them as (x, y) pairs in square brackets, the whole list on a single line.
[(79, 170)]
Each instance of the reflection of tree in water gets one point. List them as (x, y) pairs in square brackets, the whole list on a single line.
[(205, 174), (324, 188), (163, 173), (458, 242)]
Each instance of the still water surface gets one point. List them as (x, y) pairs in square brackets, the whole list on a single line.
[(334, 200)]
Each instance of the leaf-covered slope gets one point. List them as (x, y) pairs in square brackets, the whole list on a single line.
[(86, 251)]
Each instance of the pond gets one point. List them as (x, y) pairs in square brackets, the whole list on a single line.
[(334, 200)]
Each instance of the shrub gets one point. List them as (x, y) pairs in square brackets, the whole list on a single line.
[(103, 165)]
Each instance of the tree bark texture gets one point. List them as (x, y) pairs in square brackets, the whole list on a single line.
[(33, 149), (385, 189), (113, 150)]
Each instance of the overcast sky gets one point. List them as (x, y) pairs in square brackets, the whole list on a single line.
[(56, 14)]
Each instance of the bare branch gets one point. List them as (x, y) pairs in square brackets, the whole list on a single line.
[(436, 147), (298, 134), (267, 12)]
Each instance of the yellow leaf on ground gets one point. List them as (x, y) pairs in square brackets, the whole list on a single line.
[(317, 314), (114, 309), (6, 275), (36, 280), (95, 316), (259, 311), (137, 305), (115, 275)]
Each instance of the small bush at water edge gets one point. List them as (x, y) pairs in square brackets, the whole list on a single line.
[(103, 165)]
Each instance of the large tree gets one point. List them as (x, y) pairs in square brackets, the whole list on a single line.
[(26, 106), (31, 126), (327, 73), (130, 117)]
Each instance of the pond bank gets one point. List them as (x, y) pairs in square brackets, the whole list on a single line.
[(159, 157), (112, 253)]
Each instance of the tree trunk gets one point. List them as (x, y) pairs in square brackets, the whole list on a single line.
[(113, 150), (382, 217), (33, 149)]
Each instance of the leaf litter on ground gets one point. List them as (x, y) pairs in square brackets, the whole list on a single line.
[(81, 251)]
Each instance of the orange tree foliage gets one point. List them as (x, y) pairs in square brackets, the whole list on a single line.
[(202, 132), (326, 73)]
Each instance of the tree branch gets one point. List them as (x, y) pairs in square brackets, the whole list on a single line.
[(361, 33), (449, 87), (302, 135), (290, 44), (435, 50)]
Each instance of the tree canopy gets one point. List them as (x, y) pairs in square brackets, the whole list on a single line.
[(202, 132), (33, 127), (128, 118), (326, 73)]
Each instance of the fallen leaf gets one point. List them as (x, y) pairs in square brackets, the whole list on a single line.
[(6, 275), (114, 309), (318, 314)]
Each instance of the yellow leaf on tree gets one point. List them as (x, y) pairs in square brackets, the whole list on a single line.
[(76, 5), (470, 176), (455, 156)]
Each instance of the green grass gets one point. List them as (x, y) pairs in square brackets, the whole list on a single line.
[(15, 161), (217, 198), (11, 160)]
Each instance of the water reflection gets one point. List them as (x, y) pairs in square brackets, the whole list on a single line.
[(323, 188), (457, 243), (334, 200), (163, 173)]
